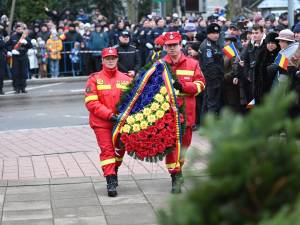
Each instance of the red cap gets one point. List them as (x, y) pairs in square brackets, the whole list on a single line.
[(159, 40), (172, 38), (109, 51)]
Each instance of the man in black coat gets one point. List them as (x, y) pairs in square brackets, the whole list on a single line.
[(250, 59), (129, 57), (2, 61), (212, 65)]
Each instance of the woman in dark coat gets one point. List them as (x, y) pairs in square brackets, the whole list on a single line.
[(264, 81)]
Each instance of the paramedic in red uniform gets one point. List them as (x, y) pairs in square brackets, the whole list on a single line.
[(190, 83), (103, 91)]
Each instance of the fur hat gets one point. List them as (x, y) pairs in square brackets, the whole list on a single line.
[(213, 28), (271, 37)]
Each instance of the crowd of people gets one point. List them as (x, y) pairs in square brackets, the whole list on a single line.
[(67, 44)]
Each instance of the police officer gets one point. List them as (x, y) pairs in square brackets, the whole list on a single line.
[(129, 57), (159, 30), (142, 37), (18, 46), (212, 65), (2, 60)]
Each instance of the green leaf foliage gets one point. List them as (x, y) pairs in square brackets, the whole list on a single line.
[(253, 168)]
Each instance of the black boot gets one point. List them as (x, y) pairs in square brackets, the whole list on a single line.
[(176, 183), (117, 181), (111, 185), (181, 179)]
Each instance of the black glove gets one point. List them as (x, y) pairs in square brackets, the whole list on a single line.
[(177, 86), (113, 118), (272, 70)]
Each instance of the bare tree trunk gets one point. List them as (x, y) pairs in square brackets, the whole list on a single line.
[(132, 6), (11, 16), (235, 8)]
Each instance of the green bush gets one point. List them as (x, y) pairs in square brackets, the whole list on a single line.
[(253, 167)]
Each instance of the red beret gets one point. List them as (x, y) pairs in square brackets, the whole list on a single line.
[(109, 52), (172, 38), (159, 40)]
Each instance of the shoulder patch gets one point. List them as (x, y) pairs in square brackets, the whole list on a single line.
[(88, 89), (208, 53)]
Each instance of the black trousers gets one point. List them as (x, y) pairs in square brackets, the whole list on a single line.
[(212, 99), (20, 72)]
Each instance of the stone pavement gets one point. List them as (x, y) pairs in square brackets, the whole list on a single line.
[(52, 176)]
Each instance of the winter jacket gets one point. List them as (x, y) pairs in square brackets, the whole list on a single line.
[(98, 41), (54, 48), (102, 93), (192, 80)]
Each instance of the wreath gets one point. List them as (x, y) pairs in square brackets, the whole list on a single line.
[(152, 119)]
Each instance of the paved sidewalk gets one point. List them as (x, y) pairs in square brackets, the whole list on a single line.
[(64, 152), (83, 201), (52, 176)]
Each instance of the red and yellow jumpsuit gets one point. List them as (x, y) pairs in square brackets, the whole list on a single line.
[(192, 80), (103, 91)]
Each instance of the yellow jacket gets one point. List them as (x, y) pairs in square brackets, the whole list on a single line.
[(54, 47)]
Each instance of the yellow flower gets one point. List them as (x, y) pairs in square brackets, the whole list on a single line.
[(139, 117), (144, 125), (165, 106), (151, 118), (130, 120), (163, 91), (159, 98), (126, 128), (154, 106), (168, 98), (147, 111), (136, 127), (159, 114)]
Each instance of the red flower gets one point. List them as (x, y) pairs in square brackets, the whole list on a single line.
[(168, 118), (160, 124), (141, 135), (161, 147), (152, 130)]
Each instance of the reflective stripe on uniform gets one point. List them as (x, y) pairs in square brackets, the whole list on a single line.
[(101, 87), (172, 165), (91, 98), (121, 86), (198, 87), (119, 159), (108, 161), (185, 72)]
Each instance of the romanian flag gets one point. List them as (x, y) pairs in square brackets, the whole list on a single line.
[(282, 61), (230, 51), (251, 104)]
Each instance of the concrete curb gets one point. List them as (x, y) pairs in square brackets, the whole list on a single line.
[(49, 80)]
